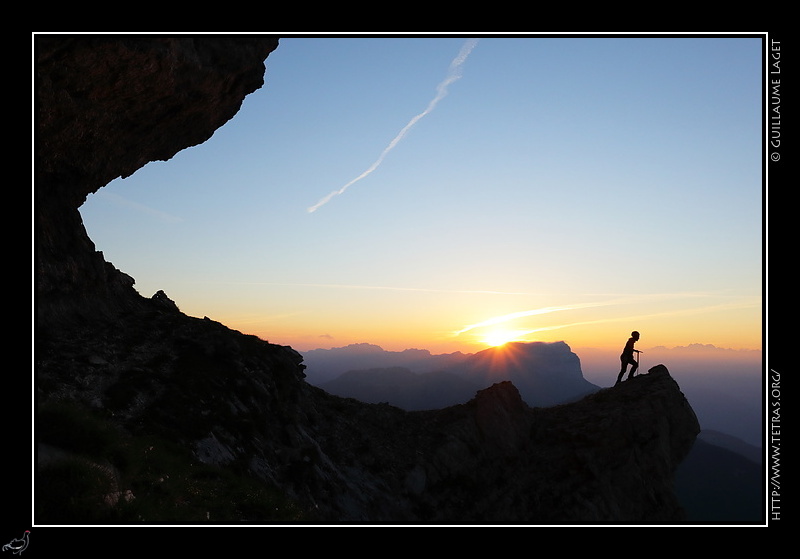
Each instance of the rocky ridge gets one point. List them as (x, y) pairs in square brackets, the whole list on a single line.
[(156, 384)]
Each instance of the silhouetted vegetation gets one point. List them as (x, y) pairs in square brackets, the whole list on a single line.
[(102, 476)]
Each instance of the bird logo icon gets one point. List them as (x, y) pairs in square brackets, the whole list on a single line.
[(18, 545)]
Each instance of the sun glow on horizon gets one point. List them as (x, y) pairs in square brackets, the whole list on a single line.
[(500, 337)]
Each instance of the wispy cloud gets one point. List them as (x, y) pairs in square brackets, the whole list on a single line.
[(257, 319), (387, 288), (522, 314), (453, 74), (738, 303), (680, 312), (141, 208)]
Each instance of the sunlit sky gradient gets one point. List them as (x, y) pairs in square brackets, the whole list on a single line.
[(550, 189)]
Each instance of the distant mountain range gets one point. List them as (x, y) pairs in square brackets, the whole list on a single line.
[(723, 440), (545, 374), (721, 481), (324, 365)]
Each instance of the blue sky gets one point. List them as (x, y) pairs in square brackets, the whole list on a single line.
[(570, 188)]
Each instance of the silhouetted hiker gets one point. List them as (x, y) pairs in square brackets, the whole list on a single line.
[(627, 357)]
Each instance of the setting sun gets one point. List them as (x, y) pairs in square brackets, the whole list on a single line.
[(496, 338)]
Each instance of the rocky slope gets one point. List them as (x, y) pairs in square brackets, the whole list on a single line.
[(139, 404)]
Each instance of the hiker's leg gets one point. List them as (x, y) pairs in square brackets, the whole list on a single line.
[(622, 371), (634, 366)]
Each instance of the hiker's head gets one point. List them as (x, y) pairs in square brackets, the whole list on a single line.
[(635, 335)]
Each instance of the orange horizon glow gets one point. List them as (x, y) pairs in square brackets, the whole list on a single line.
[(611, 342), (469, 321), (393, 336)]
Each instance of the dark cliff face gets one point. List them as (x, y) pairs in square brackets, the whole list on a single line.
[(153, 382), (104, 107)]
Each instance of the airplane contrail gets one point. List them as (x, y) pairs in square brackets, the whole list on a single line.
[(453, 74)]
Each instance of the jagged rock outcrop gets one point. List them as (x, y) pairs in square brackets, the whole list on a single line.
[(156, 392)]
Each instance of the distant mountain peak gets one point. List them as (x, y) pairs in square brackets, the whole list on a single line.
[(545, 373), (353, 348)]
